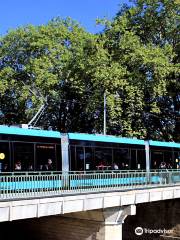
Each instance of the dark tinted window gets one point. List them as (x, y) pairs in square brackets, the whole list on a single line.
[(80, 160), (4, 157), (89, 159), (121, 158), (141, 159), (103, 158), (23, 156), (72, 159), (45, 157), (176, 163), (162, 158), (133, 162)]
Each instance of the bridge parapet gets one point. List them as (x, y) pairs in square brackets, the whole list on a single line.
[(46, 206)]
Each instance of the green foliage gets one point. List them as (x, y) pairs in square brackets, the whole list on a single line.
[(44, 62), (145, 39)]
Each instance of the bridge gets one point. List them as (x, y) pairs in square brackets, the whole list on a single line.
[(103, 197)]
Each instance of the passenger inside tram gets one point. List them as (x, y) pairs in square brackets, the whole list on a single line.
[(17, 166)]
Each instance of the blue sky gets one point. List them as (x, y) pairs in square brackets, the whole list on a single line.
[(15, 13)]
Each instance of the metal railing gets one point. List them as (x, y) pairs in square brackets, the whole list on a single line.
[(85, 171), (40, 184)]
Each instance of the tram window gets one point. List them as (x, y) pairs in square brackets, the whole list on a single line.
[(89, 163), (23, 156), (72, 159), (121, 158), (103, 158), (45, 153), (156, 158), (80, 158), (133, 162), (176, 159), (168, 159), (141, 159), (4, 157)]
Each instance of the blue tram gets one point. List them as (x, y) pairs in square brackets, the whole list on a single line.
[(33, 150)]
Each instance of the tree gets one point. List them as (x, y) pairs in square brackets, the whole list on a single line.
[(45, 62), (136, 41), (157, 22)]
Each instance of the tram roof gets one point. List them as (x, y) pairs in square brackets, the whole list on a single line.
[(104, 138), (83, 136), (164, 144), (29, 132)]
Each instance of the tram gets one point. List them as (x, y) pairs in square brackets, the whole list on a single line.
[(30, 150)]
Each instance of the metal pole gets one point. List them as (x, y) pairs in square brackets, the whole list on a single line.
[(104, 112), (147, 156), (40, 111)]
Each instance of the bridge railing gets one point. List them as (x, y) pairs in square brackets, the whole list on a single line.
[(30, 185), (85, 172)]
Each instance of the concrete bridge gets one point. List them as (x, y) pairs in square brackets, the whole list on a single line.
[(94, 198)]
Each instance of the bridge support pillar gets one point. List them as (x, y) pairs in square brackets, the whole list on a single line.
[(112, 232), (114, 219), (108, 221)]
